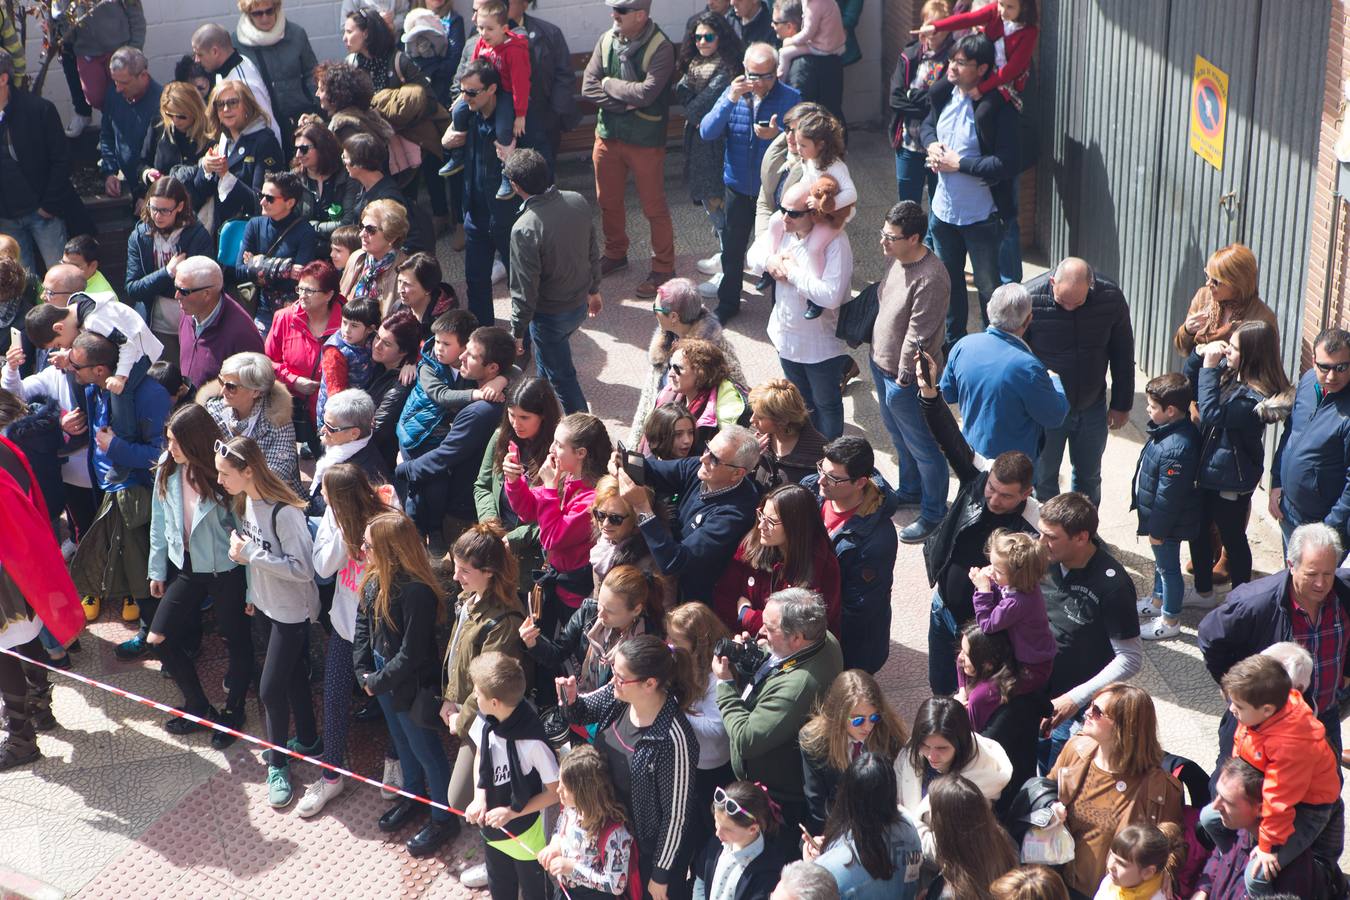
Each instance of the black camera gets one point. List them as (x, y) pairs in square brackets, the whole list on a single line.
[(744, 658)]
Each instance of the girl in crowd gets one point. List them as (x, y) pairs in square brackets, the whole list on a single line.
[(337, 554), (275, 243), (1011, 27), (669, 432), (1110, 776), (244, 150), (295, 342), (561, 505), (393, 354), (744, 858), (394, 657), (988, 672), (921, 65), (167, 234), (1029, 883), (617, 539), (870, 843), (280, 48), (190, 526), (1008, 599), (372, 272), (248, 401), (789, 547), (592, 847), (709, 59), (972, 849), (627, 604), (421, 291), (1143, 863), (181, 131), (695, 629), (329, 190), (853, 718), (272, 539), (372, 48), (642, 732), (790, 445)]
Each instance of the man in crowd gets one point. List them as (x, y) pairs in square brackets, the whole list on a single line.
[(818, 78), (628, 79), (1310, 477), (213, 48), (972, 145), (1090, 600), (911, 312), (804, 880), (857, 504), (763, 716), (1007, 396), (130, 113), (1080, 325), (990, 496), (747, 115), (555, 272), (487, 220), (753, 22), (716, 507), (366, 158), (37, 194), (61, 282), (214, 326), (716, 7), (780, 169)]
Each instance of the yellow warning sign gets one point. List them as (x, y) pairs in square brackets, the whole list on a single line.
[(1209, 111)]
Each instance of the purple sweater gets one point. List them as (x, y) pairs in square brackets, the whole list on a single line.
[(1023, 616), (231, 332)]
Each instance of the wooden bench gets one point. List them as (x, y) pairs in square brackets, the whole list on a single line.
[(582, 138)]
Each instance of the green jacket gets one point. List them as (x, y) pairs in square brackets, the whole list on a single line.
[(763, 727), (636, 108), (489, 501)]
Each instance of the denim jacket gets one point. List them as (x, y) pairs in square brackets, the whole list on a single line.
[(854, 883), (209, 544)]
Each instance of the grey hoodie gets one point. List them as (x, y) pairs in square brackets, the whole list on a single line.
[(280, 562)]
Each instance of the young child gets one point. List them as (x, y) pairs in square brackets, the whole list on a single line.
[(510, 53), (343, 242), (1143, 863), (440, 391), (1278, 734), (592, 853), (1011, 26), (427, 41), (81, 252), (170, 377), (517, 777), (345, 360), (743, 845), (1164, 493), (1008, 598), (822, 34)]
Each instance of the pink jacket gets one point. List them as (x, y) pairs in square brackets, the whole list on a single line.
[(293, 348), (822, 28), (564, 522)]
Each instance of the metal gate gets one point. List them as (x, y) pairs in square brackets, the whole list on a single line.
[(1118, 182)]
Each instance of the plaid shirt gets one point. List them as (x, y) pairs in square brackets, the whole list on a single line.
[(1325, 639)]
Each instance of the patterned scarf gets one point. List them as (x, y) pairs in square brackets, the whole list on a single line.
[(367, 286)]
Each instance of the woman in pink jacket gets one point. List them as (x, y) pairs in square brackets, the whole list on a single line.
[(296, 340)]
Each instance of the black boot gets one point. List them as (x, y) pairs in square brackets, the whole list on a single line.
[(812, 311), (764, 283), (39, 698), (20, 744)]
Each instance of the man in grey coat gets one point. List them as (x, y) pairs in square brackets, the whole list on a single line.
[(554, 271)]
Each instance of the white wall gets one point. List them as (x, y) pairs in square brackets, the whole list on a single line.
[(171, 23)]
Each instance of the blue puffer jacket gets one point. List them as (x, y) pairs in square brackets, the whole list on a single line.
[(731, 119), (421, 415), (1164, 482), (358, 369), (1233, 420), (1314, 453)]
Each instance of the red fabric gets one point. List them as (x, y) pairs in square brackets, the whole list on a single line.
[(743, 580), (512, 60), (833, 520), (32, 559), (1018, 47), (294, 349), (334, 369)]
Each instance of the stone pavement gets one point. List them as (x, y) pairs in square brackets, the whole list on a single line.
[(118, 807)]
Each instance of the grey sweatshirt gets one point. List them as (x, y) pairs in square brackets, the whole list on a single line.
[(280, 563)]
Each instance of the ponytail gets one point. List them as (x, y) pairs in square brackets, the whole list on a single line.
[(1161, 846), (649, 656), (638, 587)]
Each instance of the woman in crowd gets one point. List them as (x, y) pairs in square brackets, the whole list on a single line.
[(1029, 883), (701, 379), (167, 234), (853, 718), (296, 339), (372, 48), (989, 671), (275, 244), (709, 59), (669, 432), (744, 857), (695, 629), (272, 540), (189, 71), (972, 849), (617, 539), (869, 844), (372, 272), (180, 135), (1110, 776), (922, 64), (190, 527), (345, 94), (421, 291), (329, 190), (393, 355), (244, 150), (642, 732), (394, 657), (281, 49), (788, 547), (791, 446), (247, 401), (532, 416)]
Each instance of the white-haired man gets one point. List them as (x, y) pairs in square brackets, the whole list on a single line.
[(214, 327)]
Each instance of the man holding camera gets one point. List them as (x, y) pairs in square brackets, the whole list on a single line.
[(766, 699)]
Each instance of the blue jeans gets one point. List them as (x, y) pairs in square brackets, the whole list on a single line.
[(923, 469), (952, 243), (551, 336), (912, 174), (819, 386), (1167, 581), (484, 239), (942, 642), (1010, 248), (35, 235), (426, 769), (1084, 430)]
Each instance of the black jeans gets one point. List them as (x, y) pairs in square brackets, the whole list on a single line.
[(81, 505), (284, 689), (736, 236), (820, 79), (179, 619), (1230, 517), (72, 73), (509, 877)]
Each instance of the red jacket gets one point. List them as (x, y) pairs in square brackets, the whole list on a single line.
[(294, 348), (1018, 47), (1291, 749), (512, 59), (742, 580)]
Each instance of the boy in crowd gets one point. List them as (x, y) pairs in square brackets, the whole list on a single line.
[(343, 242), (81, 252), (441, 391), (345, 360)]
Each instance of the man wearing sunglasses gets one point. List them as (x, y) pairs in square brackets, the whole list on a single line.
[(1308, 479), (130, 111), (213, 326)]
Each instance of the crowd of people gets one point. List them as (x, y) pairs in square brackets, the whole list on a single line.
[(656, 657)]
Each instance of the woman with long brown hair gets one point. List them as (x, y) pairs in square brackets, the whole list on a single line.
[(167, 234), (700, 377), (972, 849), (695, 629), (329, 190)]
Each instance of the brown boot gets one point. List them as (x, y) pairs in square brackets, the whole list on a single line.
[(1221, 566), (19, 747)]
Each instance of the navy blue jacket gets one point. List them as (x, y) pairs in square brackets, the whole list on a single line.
[(458, 456), (731, 119), (998, 128), (1233, 420), (145, 280), (1312, 459), (127, 139), (292, 237), (255, 154), (1164, 481), (1081, 343)]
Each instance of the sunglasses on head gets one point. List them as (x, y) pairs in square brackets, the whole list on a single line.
[(857, 721), (614, 519), (793, 213), (224, 449), (728, 805)]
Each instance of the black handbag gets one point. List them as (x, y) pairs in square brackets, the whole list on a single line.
[(858, 316)]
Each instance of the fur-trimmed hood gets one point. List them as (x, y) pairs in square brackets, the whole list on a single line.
[(352, 120), (705, 328), (276, 402), (1276, 408)]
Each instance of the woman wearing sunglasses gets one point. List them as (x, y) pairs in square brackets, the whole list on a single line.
[(853, 718), (180, 134), (1110, 775), (244, 150), (372, 271), (167, 234), (642, 732), (247, 400), (272, 540), (744, 857), (280, 48), (329, 190)]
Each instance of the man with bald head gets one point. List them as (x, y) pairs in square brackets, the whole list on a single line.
[(60, 282), (213, 49), (1080, 327)]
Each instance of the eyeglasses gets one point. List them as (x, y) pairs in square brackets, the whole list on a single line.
[(765, 519), (269, 198), (187, 292), (614, 519), (729, 806), (48, 292), (857, 721), (471, 92), (826, 476), (227, 103), (302, 149), (793, 213), (303, 291), (163, 210), (370, 229), (614, 676), (1326, 368), (1095, 712), (961, 61), (228, 387), (1211, 281), (888, 238), (224, 449), (712, 457), (705, 38), (263, 13), (365, 546), (759, 76)]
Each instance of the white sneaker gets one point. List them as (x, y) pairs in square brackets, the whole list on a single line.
[(1193, 599), (77, 126), (67, 549), (498, 272), (1149, 606), (393, 774), (474, 876), (1159, 630), (317, 796), (708, 289), (712, 265)]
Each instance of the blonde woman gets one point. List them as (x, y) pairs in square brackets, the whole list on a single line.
[(242, 152), (372, 271), (182, 133)]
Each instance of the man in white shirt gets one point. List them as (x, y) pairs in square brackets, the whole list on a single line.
[(811, 356), (213, 48)]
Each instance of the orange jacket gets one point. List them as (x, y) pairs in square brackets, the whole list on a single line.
[(1291, 749)]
